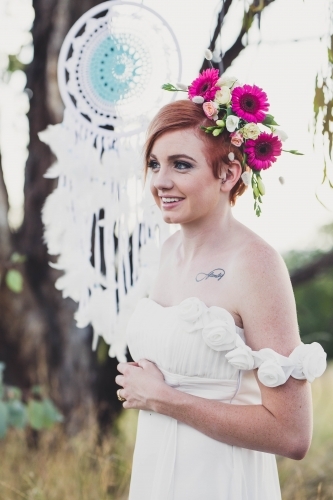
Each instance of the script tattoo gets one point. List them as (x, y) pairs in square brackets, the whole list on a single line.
[(216, 273)]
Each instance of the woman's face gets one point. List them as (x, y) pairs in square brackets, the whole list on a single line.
[(182, 181)]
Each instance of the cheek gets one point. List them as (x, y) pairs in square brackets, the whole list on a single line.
[(154, 190)]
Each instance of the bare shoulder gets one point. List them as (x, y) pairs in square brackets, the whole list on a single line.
[(266, 299), (257, 258)]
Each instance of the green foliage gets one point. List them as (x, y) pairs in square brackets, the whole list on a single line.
[(293, 151), (39, 412), (102, 351), (314, 300), (14, 280), (269, 120), (18, 258), (322, 111)]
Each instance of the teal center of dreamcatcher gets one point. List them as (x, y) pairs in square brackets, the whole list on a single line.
[(114, 69)]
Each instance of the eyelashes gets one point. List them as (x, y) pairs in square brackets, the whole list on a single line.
[(179, 165)]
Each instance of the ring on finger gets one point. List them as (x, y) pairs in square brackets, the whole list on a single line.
[(119, 396)]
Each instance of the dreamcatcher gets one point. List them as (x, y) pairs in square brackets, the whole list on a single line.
[(99, 222)]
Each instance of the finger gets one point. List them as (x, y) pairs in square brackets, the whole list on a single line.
[(144, 363), (120, 379), (133, 363), (121, 367)]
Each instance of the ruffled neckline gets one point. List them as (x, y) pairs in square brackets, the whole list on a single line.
[(220, 333), (178, 305)]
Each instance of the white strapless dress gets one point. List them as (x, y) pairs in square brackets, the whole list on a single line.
[(202, 352)]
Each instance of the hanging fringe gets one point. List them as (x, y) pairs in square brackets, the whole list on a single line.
[(101, 225)]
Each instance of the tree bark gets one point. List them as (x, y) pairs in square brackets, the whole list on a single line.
[(312, 270), (42, 345), (230, 55)]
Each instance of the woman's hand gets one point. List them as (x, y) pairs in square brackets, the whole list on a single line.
[(141, 382)]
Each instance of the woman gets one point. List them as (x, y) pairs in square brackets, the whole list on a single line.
[(221, 307)]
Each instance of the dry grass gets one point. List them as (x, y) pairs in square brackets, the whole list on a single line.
[(312, 477), (68, 469), (78, 469)]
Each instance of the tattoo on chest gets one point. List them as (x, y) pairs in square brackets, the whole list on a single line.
[(217, 273)]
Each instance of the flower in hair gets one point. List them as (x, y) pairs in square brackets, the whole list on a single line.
[(262, 152), (250, 103), (232, 123), (210, 109), (236, 139), (205, 85), (241, 110), (250, 131), (223, 96)]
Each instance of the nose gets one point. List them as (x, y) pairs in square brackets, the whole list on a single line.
[(162, 180)]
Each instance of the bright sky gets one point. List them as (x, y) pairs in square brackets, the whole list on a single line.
[(286, 71)]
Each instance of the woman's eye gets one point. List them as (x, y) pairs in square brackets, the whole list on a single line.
[(153, 165), (182, 165)]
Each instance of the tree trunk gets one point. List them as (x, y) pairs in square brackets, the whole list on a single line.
[(42, 345)]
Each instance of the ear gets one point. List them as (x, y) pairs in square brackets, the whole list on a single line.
[(230, 175)]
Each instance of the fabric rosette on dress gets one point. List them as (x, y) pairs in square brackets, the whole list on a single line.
[(218, 330)]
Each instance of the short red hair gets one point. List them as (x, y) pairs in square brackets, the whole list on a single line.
[(185, 114)]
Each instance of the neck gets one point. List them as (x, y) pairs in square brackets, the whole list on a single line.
[(204, 235)]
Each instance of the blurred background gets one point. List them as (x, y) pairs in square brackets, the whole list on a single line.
[(62, 430)]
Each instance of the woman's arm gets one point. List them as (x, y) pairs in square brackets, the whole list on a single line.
[(282, 424)]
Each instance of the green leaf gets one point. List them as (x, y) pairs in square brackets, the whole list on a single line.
[(318, 100), (17, 414), (51, 414), (269, 120), (14, 280), (18, 258), (36, 414), (14, 393), (169, 87), (3, 419), (2, 367), (293, 151), (37, 390), (330, 55)]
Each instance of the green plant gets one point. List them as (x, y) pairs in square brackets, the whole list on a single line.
[(38, 411)]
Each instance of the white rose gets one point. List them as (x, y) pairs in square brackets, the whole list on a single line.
[(223, 96), (246, 178), (250, 131), (310, 361), (232, 123), (227, 81), (219, 330), (271, 374), (282, 135), (241, 357), (190, 312)]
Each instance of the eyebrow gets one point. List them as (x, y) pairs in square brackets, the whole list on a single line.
[(174, 157)]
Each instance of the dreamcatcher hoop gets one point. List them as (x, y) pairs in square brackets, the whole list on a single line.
[(119, 102), (98, 221)]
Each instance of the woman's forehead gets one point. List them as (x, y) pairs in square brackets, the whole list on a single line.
[(177, 142)]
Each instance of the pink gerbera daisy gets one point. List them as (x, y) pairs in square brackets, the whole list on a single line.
[(250, 103), (262, 152), (205, 85)]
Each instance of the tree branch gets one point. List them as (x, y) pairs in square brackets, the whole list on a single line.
[(255, 9), (312, 270)]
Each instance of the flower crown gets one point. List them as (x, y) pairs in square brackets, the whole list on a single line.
[(239, 110)]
